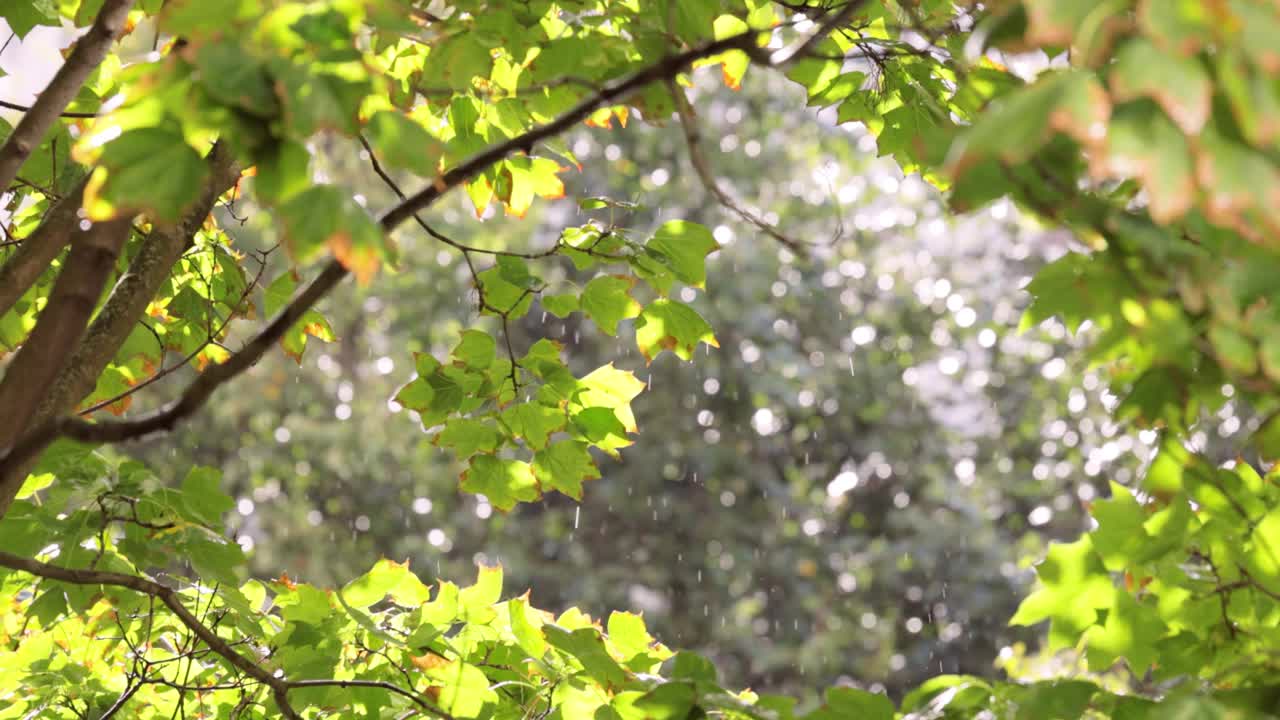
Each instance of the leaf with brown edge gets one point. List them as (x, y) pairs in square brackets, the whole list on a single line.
[(1179, 85), (150, 170), (1242, 187), (1070, 102), (671, 325), (311, 324), (1178, 26), (325, 216), (1143, 143), (361, 260), (1087, 25)]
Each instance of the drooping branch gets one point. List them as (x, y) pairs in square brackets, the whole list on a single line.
[(38, 249), (85, 57), (196, 394), (279, 685), (693, 140)]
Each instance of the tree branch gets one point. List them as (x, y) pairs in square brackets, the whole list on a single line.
[(196, 394), (702, 169), (111, 327), (60, 326), (135, 289), (171, 600), (88, 53), (27, 108), (610, 93), (38, 249), (279, 685)]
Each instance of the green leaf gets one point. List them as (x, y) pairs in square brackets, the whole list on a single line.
[(326, 216), (203, 497), (601, 427), (476, 350), (235, 79), (464, 689), (609, 387), (1131, 631), (561, 305), (476, 601), (503, 482), (668, 701), (691, 666), (215, 558), (534, 422), (1178, 26), (628, 634), (467, 437), (686, 246), (385, 578), (399, 142), (607, 300), (315, 100), (284, 168), (128, 168), (852, 703), (586, 645), (196, 18), (1142, 143), (1073, 585), (1263, 557), (23, 15), (1179, 85), (311, 324), (1025, 120), (1055, 700), (1234, 350), (501, 296), (528, 634), (1120, 532), (563, 466), (671, 325), (1063, 22)]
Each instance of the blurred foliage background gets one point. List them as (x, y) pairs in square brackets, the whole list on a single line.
[(846, 491)]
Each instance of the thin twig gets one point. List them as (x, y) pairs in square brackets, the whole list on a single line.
[(166, 371), (64, 113), (703, 170)]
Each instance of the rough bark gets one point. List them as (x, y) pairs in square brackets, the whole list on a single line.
[(87, 54), (135, 290), (121, 312), (59, 327)]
